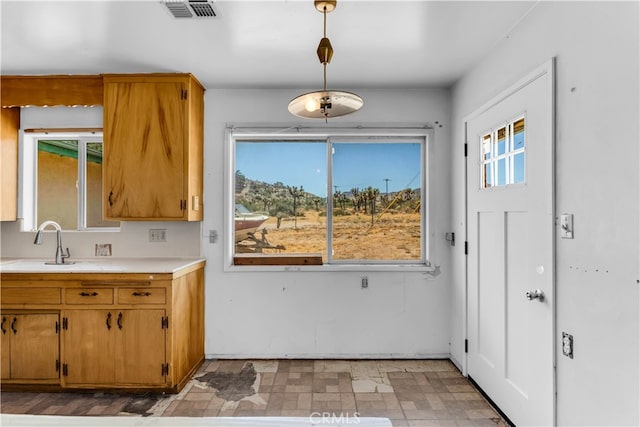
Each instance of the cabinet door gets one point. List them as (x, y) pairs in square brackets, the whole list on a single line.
[(34, 346), (5, 350), (144, 135), (9, 126), (140, 347), (89, 346)]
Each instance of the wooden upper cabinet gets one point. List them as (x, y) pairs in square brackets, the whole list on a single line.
[(153, 147), (9, 126)]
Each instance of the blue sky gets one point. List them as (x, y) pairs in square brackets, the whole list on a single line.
[(354, 164)]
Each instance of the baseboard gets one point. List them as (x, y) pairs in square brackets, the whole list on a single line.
[(331, 356)]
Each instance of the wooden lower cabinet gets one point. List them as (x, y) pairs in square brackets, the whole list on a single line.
[(30, 346), (103, 331), (114, 347), (140, 348), (89, 348)]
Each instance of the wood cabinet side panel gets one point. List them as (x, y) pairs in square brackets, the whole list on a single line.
[(9, 126), (187, 323), (195, 158)]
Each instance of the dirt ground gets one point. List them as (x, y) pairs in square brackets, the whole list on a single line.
[(392, 236)]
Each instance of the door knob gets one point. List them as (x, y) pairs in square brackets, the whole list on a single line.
[(535, 294)]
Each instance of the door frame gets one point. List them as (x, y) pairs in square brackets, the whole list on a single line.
[(547, 68)]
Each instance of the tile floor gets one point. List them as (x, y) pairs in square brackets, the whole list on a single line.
[(408, 392)]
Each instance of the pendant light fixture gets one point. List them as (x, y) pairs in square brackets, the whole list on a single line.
[(325, 103)]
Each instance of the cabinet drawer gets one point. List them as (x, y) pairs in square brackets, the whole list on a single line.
[(141, 296), (89, 296), (30, 295)]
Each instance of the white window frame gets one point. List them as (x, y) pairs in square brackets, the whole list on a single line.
[(29, 177), (508, 156), (422, 134)]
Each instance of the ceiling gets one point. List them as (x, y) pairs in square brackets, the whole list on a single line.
[(259, 44)]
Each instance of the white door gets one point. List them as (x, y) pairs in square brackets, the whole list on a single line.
[(510, 215)]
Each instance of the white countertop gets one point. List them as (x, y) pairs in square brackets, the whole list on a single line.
[(98, 265)]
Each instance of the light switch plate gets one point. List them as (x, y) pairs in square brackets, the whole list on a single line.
[(566, 226)]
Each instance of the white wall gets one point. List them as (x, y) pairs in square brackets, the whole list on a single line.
[(597, 49), (324, 314), (289, 314)]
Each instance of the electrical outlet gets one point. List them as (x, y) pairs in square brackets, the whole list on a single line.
[(567, 345), (157, 235), (103, 249), (364, 282), (213, 236)]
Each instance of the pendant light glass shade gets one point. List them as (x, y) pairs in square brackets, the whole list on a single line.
[(325, 103)]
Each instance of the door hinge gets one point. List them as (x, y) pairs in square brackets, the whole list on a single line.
[(65, 323), (165, 369), (466, 248), (183, 94), (465, 149), (165, 322), (58, 365), (466, 346), (65, 370)]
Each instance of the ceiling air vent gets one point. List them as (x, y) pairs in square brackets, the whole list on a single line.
[(191, 8)]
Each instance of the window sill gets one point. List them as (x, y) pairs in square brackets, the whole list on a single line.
[(314, 268), (277, 259)]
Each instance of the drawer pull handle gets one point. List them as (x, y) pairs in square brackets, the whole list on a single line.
[(110, 198), (88, 294), (141, 294), (119, 320), (109, 320), (13, 325), (4, 320)]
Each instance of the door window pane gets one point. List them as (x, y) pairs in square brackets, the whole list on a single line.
[(518, 168), (502, 179), (506, 165)]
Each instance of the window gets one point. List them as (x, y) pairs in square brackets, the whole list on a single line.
[(503, 155), (331, 198), (67, 181)]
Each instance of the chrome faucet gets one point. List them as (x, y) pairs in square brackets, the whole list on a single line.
[(60, 255)]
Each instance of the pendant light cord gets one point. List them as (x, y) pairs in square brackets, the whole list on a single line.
[(324, 64)]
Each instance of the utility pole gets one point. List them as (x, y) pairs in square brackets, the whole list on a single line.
[(386, 184)]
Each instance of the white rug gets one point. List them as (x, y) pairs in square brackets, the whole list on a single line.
[(10, 420)]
